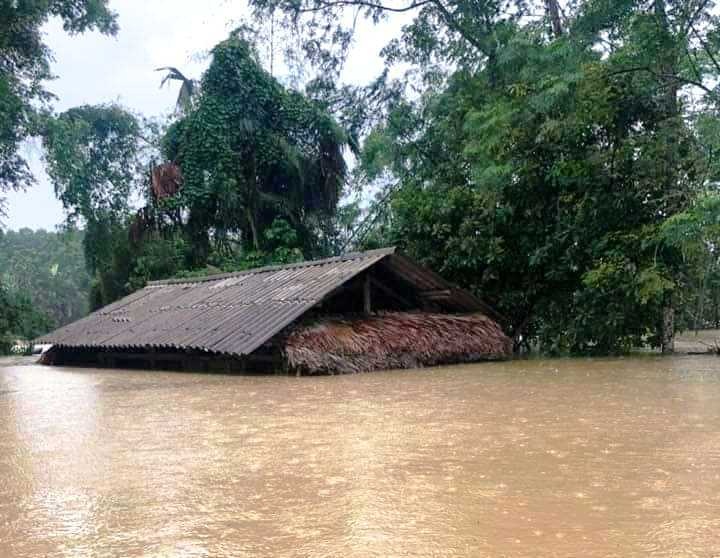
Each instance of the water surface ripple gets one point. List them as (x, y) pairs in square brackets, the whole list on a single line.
[(595, 457)]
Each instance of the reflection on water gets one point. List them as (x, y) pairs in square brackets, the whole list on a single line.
[(542, 458)]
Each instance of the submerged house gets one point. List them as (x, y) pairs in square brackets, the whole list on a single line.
[(352, 313)]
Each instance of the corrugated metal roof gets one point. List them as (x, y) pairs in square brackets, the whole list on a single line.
[(231, 313), (235, 313)]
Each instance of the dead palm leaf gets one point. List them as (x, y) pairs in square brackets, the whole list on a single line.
[(188, 87)]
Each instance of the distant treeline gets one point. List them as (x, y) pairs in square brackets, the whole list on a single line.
[(43, 282)]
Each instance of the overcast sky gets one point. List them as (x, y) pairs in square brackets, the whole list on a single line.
[(93, 68)]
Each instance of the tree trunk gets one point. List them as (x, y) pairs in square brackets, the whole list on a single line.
[(700, 316), (253, 229), (668, 329), (199, 242), (553, 11), (518, 334), (667, 65)]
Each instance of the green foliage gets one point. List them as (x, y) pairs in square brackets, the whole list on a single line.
[(43, 283), (158, 258), (25, 66), (252, 151), (696, 234), (282, 243), (557, 164), (131, 265), (94, 158), (543, 179), (282, 246), (165, 254), (697, 230), (19, 320), (50, 269), (262, 167), (9, 318)]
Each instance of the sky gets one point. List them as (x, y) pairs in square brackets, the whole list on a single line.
[(93, 68)]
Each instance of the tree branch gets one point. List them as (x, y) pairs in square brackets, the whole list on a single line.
[(455, 26), (706, 48), (692, 58), (662, 75), (447, 16), (362, 3), (691, 20), (553, 11)]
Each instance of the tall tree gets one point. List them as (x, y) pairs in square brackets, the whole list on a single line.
[(25, 67), (94, 159), (539, 167), (669, 46), (251, 151), (696, 232)]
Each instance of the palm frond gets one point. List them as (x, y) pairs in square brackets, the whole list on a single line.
[(187, 87)]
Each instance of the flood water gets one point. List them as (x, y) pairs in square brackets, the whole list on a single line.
[(608, 457)]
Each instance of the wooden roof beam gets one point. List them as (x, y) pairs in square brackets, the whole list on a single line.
[(389, 291), (438, 294)]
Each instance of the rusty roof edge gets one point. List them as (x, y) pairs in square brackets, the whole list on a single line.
[(270, 268)]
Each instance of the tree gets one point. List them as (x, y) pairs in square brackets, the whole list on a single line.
[(696, 233), (441, 35), (19, 320), (259, 173), (252, 151), (10, 317), (98, 160), (670, 47), (25, 66), (540, 173), (94, 158)]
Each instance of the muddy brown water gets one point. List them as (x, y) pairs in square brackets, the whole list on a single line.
[(607, 457)]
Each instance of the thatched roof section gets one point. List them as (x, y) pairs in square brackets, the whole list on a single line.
[(393, 340)]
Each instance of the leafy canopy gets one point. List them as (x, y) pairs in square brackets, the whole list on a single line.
[(49, 267), (252, 151), (94, 159), (541, 152), (25, 67)]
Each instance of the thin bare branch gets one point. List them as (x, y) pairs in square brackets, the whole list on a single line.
[(673, 77), (446, 15), (689, 24), (455, 26), (376, 6), (706, 48)]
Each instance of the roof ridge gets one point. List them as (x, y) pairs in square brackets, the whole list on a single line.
[(277, 267)]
